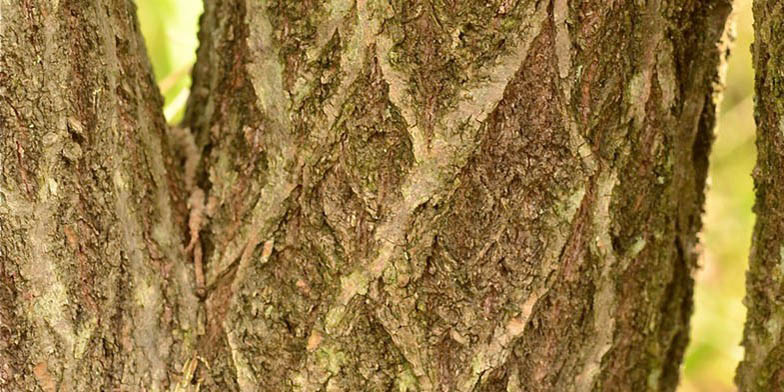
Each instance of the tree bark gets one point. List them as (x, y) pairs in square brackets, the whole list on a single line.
[(452, 196), (762, 369), (372, 195), (94, 291)]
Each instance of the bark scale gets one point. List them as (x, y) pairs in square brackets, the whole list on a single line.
[(451, 195), (762, 368), (382, 195)]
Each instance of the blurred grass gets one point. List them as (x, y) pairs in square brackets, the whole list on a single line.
[(717, 324), (170, 26)]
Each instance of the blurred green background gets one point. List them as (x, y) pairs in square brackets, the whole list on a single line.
[(170, 28)]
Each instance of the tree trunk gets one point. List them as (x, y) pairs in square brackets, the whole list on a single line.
[(762, 368), (373, 195), (452, 196), (95, 294)]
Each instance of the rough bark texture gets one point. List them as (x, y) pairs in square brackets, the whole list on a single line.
[(94, 292), (373, 195), (763, 366), (451, 195)]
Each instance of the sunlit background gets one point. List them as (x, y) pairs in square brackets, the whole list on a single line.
[(170, 27)]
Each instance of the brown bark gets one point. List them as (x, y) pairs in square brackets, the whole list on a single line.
[(377, 195), (452, 196), (94, 292), (762, 368)]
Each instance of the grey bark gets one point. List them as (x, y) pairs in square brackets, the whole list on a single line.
[(367, 195)]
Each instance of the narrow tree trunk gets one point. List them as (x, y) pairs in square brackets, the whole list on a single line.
[(762, 368), (94, 291), (409, 196), (451, 195)]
